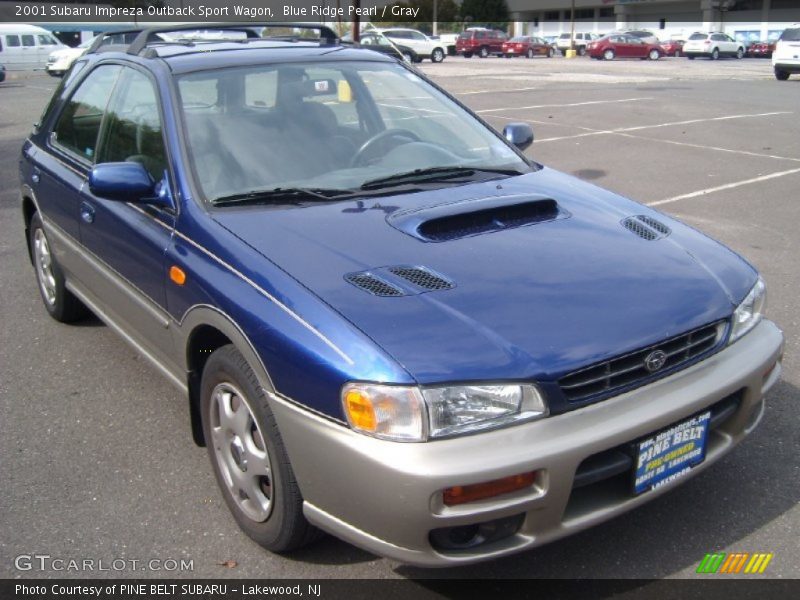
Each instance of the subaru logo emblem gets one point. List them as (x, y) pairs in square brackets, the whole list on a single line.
[(655, 360)]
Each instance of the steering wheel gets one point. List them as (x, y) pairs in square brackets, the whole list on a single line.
[(368, 147)]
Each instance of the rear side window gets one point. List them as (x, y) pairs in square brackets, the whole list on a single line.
[(791, 35), (28, 40), (12, 41), (697, 36), (78, 126), (133, 129)]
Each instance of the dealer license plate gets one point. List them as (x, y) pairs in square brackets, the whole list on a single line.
[(670, 453)]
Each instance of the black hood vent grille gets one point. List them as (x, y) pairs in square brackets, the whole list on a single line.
[(497, 218), (646, 227), (374, 285), (422, 278)]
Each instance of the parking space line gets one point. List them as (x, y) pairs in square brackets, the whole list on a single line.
[(472, 93), (702, 147), (720, 188), (656, 126), (589, 103)]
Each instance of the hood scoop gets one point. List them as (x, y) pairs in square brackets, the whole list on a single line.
[(462, 219), (401, 280), (646, 227)]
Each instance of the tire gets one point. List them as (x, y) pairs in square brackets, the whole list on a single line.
[(408, 57), (690, 57), (654, 55), (59, 302), (551, 53), (608, 54), (437, 55), (781, 75), (483, 52), (581, 50), (740, 53), (677, 53), (467, 54), (715, 54), (242, 435)]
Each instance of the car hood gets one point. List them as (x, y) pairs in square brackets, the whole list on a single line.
[(531, 301)]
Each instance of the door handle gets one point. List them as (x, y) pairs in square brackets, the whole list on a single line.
[(87, 212), (36, 176)]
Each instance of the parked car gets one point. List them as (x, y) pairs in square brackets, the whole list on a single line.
[(374, 40), (786, 56), (342, 286), (527, 46), (480, 42), (422, 46), (448, 42), (564, 42), (646, 36), (761, 49), (712, 45), (623, 45), (26, 46), (672, 47), (61, 60)]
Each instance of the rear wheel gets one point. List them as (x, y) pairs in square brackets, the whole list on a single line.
[(715, 54), (437, 55), (60, 303), (408, 57), (483, 52), (740, 53), (581, 50), (677, 53), (529, 53), (781, 75), (467, 54), (551, 53), (654, 55), (690, 57), (608, 54), (248, 456)]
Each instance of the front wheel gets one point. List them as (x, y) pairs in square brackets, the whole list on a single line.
[(529, 53), (690, 57), (608, 54), (551, 53), (483, 52), (467, 54), (715, 54), (781, 75), (581, 50), (654, 55), (59, 302), (248, 456), (437, 55), (740, 53)]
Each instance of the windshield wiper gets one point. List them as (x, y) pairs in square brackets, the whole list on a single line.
[(281, 196), (433, 174)]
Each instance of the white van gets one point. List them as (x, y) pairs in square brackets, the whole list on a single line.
[(26, 46)]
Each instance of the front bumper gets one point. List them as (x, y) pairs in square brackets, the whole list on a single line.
[(386, 497)]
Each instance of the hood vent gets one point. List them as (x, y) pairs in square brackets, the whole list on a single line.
[(422, 278), (497, 218), (374, 285), (646, 227)]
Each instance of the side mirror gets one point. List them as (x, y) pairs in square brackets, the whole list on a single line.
[(123, 181), (519, 134)]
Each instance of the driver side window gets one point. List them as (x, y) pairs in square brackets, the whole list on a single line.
[(133, 125)]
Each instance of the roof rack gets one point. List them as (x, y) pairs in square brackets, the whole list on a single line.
[(146, 36)]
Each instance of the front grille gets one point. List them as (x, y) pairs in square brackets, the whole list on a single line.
[(374, 285), (422, 278), (626, 371)]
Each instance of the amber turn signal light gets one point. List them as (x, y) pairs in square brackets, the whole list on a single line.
[(461, 494), (360, 410), (177, 275)]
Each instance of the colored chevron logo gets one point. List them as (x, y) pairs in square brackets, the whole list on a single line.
[(735, 562)]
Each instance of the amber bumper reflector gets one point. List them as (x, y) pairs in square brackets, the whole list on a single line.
[(461, 494)]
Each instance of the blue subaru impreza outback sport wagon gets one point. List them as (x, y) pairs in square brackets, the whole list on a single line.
[(390, 325)]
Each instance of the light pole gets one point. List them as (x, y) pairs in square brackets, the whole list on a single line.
[(435, 17), (572, 27)]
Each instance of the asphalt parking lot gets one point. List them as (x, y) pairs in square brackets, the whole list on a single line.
[(96, 458)]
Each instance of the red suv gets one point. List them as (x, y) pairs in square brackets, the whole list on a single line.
[(482, 42)]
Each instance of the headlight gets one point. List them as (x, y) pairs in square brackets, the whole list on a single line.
[(413, 414), (749, 312)]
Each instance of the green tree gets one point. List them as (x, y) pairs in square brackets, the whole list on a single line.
[(489, 13)]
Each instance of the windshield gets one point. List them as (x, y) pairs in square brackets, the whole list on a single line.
[(791, 35), (331, 126)]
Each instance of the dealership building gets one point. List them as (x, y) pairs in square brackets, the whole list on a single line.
[(669, 19)]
